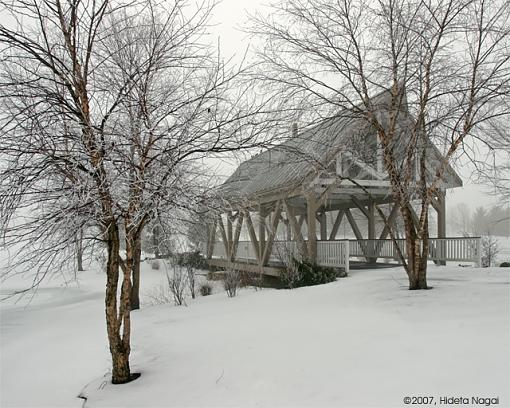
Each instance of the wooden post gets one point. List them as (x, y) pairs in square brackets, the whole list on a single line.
[(390, 221), (324, 226), (237, 234), (211, 239), (262, 232), (336, 225), (371, 231), (311, 209), (288, 230), (441, 215), (224, 237), (440, 208), (298, 236), (357, 232), (272, 233), (230, 243), (253, 237)]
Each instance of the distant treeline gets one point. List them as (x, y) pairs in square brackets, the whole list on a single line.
[(482, 221)]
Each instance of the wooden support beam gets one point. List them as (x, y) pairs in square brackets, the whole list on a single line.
[(362, 208), (296, 229), (371, 220), (262, 231), (371, 227), (229, 235), (441, 214), (211, 239), (441, 220), (301, 220), (288, 229), (237, 234), (336, 225), (353, 224), (223, 234), (323, 226), (356, 231), (390, 221), (246, 267), (253, 236), (272, 233), (311, 209)]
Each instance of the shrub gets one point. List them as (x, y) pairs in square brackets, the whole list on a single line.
[(505, 265), (490, 250), (155, 265), (313, 274), (205, 289), (291, 275), (177, 283), (306, 273), (231, 281), (193, 259)]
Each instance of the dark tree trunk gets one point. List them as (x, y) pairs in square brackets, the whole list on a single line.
[(79, 251), (135, 276), (155, 241), (417, 250), (117, 316)]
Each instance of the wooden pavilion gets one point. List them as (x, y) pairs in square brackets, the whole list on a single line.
[(295, 196)]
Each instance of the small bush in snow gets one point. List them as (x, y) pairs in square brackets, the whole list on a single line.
[(177, 283), (155, 265), (205, 289), (306, 273), (291, 275), (231, 281), (490, 249), (505, 264), (194, 259), (159, 295), (313, 274)]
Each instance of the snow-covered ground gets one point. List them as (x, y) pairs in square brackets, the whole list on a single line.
[(361, 341)]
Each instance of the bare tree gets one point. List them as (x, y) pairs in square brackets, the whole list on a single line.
[(177, 281), (428, 77), (231, 281), (490, 250), (120, 100)]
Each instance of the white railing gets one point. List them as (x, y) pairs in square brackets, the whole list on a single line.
[(284, 251), (245, 251), (456, 249), (463, 249), (333, 253), (375, 248), (337, 253), (329, 253)]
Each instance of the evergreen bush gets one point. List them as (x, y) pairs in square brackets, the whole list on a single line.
[(205, 289), (307, 273)]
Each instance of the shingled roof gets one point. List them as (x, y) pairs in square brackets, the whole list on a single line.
[(284, 167)]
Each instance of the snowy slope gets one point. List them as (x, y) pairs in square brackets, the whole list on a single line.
[(359, 342)]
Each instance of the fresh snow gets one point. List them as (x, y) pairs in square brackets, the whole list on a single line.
[(362, 341)]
